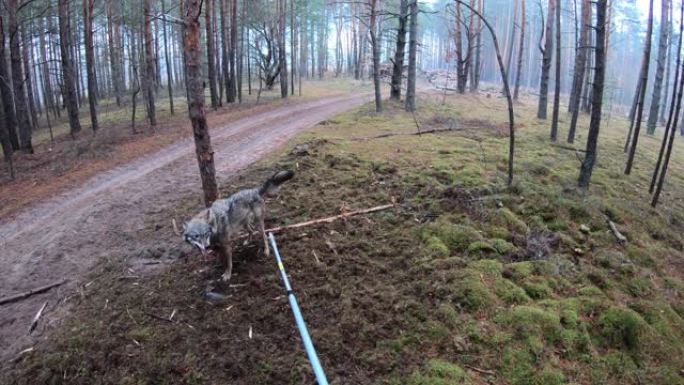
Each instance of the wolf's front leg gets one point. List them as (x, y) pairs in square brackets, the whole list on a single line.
[(228, 252), (262, 229)]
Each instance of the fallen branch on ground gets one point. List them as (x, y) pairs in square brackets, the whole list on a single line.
[(564, 147), (483, 371), (328, 219), (433, 131), (613, 229), (31, 292), (34, 323)]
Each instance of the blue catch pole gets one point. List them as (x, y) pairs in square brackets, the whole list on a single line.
[(303, 331)]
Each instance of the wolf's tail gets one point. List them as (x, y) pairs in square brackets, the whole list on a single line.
[(271, 185)]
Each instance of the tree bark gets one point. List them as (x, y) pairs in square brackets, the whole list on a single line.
[(521, 50), (398, 62), (20, 103), (556, 95), (6, 147), (376, 54), (224, 52), (7, 92), (113, 39), (669, 126), (580, 70), (68, 76), (169, 73), (28, 78), (673, 129), (461, 68), (642, 91), (587, 166), (45, 70), (477, 66), (90, 60), (660, 68), (149, 64), (410, 102), (233, 49), (211, 72), (193, 71), (546, 61), (282, 57)]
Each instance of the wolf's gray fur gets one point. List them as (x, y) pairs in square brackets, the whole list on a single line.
[(221, 222)]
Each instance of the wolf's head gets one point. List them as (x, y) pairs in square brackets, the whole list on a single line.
[(199, 231)]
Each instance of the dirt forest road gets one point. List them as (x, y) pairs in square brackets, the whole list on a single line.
[(66, 236)]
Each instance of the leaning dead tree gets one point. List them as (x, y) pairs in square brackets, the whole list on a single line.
[(507, 91)]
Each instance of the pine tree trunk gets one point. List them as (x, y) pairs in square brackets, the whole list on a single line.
[(671, 139), (546, 61), (6, 147), (233, 50), (211, 72), (45, 70), (375, 45), (668, 61), (660, 68), (511, 42), (521, 50), (25, 48), (282, 56), (580, 70), (7, 92), (149, 65), (68, 76), (90, 60), (224, 51), (193, 71), (461, 73), (587, 166), (642, 91), (169, 74), (669, 127), (398, 62), (413, 36), (556, 95), (114, 51), (20, 103), (475, 84)]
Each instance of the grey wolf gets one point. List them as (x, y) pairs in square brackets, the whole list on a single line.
[(218, 225)]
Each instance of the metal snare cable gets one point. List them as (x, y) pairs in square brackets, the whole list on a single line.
[(299, 320)]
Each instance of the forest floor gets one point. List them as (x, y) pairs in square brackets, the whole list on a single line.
[(109, 214), (465, 281)]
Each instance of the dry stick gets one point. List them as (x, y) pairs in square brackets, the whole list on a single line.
[(328, 219), (34, 323), (483, 371), (419, 133), (31, 292)]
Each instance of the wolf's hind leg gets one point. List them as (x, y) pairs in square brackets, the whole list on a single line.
[(228, 253)]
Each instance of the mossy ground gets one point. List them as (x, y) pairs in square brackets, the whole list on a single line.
[(464, 274)]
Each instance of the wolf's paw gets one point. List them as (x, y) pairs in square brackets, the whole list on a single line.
[(225, 277), (267, 252)]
